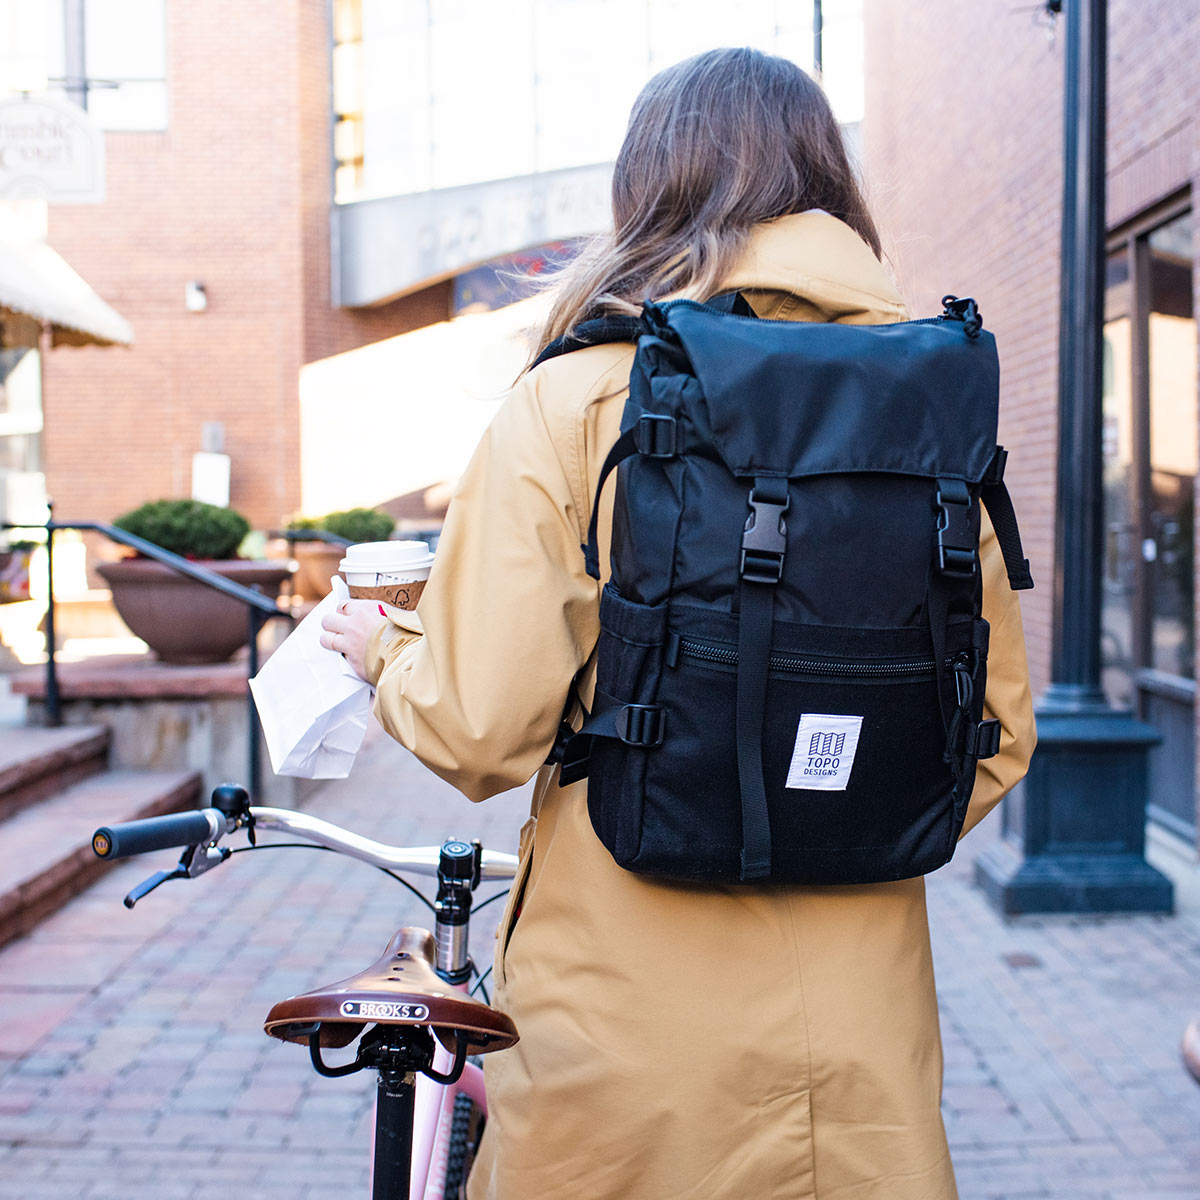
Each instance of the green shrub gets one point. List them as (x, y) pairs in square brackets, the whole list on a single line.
[(187, 527), (355, 524)]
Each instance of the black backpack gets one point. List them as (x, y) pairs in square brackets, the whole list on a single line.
[(792, 660)]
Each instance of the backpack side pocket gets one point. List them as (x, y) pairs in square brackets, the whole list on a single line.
[(625, 722)]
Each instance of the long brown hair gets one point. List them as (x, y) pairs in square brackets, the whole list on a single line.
[(716, 145)]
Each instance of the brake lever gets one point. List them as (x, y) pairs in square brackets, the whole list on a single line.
[(195, 860), (148, 885)]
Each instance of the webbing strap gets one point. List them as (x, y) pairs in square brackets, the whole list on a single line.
[(764, 536), (756, 616), (653, 435), (999, 505), (623, 448), (937, 605)]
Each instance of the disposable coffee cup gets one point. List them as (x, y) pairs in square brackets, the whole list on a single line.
[(392, 573)]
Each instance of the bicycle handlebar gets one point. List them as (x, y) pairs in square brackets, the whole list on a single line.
[(209, 824), (420, 860), (158, 833)]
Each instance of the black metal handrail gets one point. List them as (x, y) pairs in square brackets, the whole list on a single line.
[(259, 610), (311, 535)]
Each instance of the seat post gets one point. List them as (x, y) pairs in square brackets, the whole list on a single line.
[(392, 1159), (397, 1053)]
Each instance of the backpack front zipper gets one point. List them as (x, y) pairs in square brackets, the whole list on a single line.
[(728, 656)]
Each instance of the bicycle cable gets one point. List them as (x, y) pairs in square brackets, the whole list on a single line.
[(489, 900), (479, 984), (330, 850)]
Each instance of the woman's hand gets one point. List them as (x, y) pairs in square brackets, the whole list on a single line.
[(348, 628)]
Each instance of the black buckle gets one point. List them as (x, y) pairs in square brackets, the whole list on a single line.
[(764, 542), (955, 539), (576, 758), (640, 724), (983, 740), (654, 436), (561, 738)]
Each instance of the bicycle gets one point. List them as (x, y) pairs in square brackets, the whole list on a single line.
[(413, 1011)]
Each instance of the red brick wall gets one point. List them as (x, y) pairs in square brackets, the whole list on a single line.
[(234, 193), (962, 149)]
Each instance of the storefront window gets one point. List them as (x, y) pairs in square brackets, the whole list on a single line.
[(22, 483), (1173, 448), (1121, 543), (1151, 439)]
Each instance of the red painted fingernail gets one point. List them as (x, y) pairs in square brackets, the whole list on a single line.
[(382, 611)]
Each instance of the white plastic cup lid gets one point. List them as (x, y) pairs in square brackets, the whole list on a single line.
[(386, 557)]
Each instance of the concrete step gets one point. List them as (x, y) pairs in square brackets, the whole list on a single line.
[(37, 762), (46, 849)]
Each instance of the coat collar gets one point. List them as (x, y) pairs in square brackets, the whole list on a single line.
[(812, 267)]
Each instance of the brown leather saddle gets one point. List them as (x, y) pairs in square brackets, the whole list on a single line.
[(401, 988)]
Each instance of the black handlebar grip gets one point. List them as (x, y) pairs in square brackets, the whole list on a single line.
[(157, 833)]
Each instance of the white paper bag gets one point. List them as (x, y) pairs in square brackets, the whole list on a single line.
[(314, 709)]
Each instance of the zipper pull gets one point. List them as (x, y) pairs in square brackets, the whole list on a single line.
[(964, 687), (671, 651), (964, 310), (963, 683)]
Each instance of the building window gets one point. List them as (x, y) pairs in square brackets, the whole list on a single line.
[(22, 484), (432, 94), (110, 56)]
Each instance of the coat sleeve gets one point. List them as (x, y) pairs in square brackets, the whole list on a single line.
[(508, 616), (1008, 698)]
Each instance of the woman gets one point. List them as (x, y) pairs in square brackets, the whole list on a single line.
[(675, 1042)]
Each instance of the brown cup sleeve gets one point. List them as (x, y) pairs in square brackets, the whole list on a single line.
[(398, 595)]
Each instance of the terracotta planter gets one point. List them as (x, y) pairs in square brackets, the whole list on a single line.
[(316, 564), (180, 619)]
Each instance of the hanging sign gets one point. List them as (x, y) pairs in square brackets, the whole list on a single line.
[(50, 150)]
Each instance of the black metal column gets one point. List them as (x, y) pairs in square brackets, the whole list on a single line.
[(1074, 834)]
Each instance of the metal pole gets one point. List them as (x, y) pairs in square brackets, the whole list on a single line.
[(818, 39), (75, 52), (1079, 526), (53, 703), (253, 757)]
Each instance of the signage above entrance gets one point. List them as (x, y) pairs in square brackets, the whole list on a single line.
[(50, 150), (397, 244)]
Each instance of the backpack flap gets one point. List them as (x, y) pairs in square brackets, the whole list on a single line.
[(915, 398)]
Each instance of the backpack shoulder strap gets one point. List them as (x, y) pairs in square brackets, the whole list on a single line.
[(627, 328), (594, 333), (999, 505)]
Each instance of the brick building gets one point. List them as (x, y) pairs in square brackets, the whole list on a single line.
[(234, 193), (963, 152), (293, 179)]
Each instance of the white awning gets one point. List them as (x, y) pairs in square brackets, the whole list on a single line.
[(35, 282)]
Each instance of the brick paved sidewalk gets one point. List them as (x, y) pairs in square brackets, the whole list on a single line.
[(1063, 1075), (132, 1063), (132, 1058)]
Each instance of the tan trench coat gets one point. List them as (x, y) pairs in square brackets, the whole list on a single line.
[(720, 1043)]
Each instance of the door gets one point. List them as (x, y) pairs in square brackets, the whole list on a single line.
[(1151, 444)]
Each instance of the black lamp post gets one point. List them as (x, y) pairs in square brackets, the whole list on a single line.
[(1074, 834)]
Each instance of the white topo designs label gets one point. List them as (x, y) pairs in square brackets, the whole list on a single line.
[(824, 753)]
